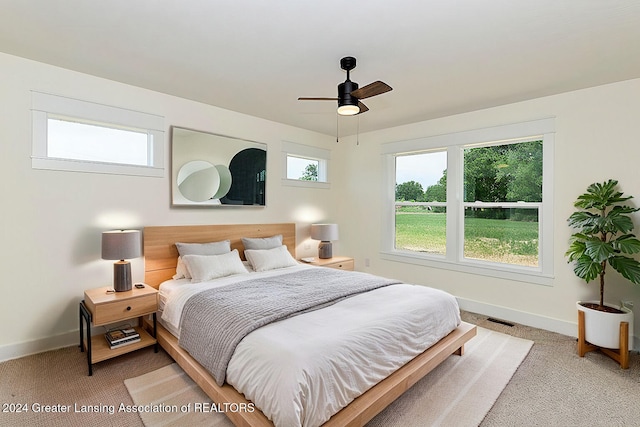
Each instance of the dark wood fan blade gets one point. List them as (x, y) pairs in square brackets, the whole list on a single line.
[(363, 108), (317, 99), (372, 89)]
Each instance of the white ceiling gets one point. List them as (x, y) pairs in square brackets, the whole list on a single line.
[(257, 57)]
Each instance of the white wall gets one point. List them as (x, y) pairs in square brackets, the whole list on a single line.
[(51, 221), (597, 138)]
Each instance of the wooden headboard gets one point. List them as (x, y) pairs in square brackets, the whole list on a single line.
[(161, 254)]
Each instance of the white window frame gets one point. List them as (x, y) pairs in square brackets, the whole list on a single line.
[(455, 143), (321, 155), (46, 106)]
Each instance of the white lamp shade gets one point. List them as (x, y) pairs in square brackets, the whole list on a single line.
[(324, 232), (121, 244)]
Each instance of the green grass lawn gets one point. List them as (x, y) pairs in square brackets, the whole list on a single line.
[(497, 240), (422, 232)]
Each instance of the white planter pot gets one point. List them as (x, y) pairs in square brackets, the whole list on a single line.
[(602, 328)]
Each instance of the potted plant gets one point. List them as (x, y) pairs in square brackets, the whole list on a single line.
[(604, 238)]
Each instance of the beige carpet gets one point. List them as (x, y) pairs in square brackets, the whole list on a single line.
[(459, 392)]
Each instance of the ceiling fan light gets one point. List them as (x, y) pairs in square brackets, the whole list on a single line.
[(348, 110)]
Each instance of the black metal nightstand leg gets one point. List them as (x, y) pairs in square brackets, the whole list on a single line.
[(81, 328), (84, 314), (155, 329)]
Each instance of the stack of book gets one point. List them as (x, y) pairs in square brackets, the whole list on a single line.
[(121, 337)]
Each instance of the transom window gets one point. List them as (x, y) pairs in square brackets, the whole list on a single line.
[(482, 207), (71, 139), (74, 135), (305, 166), (302, 168)]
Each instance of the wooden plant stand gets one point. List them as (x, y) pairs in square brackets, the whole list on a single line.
[(621, 355)]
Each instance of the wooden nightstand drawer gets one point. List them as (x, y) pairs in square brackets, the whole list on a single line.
[(115, 311), (113, 307), (343, 265), (337, 262)]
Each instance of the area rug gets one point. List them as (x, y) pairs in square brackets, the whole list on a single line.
[(458, 393)]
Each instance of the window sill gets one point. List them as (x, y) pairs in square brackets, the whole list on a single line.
[(94, 167), (498, 271), (307, 184)]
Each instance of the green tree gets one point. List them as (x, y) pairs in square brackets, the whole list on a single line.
[(504, 173), (437, 192), (409, 191), (523, 172), (310, 173), (481, 181)]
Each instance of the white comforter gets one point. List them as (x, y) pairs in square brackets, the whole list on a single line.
[(304, 369)]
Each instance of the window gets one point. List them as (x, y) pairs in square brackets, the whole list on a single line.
[(301, 168), (421, 208), (75, 135), (305, 166), (502, 187), (478, 201)]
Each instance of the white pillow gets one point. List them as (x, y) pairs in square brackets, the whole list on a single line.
[(211, 248), (260, 243), (182, 272), (208, 267), (270, 259)]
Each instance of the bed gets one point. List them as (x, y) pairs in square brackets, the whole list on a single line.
[(161, 259)]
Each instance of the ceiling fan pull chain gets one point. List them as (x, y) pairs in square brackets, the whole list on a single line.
[(358, 132), (337, 128)]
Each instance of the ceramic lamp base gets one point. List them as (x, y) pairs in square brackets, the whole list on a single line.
[(122, 276), (325, 250)]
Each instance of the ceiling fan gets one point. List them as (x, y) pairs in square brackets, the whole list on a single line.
[(349, 95)]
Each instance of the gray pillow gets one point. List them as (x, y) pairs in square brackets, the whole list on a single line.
[(211, 248), (261, 243)]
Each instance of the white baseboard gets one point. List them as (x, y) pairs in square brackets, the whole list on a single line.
[(528, 319), (14, 351), (68, 339)]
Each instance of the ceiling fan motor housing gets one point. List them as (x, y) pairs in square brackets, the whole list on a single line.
[(344, 93)]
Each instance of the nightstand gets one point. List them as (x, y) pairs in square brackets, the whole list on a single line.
[(339, 262), (101, 308)]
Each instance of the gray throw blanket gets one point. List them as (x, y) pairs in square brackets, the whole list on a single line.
[(214, 321)]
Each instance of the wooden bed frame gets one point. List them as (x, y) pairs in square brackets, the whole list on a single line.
[(160, 263)]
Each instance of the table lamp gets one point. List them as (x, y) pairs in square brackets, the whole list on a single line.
[(325, 233), (121, 245)]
